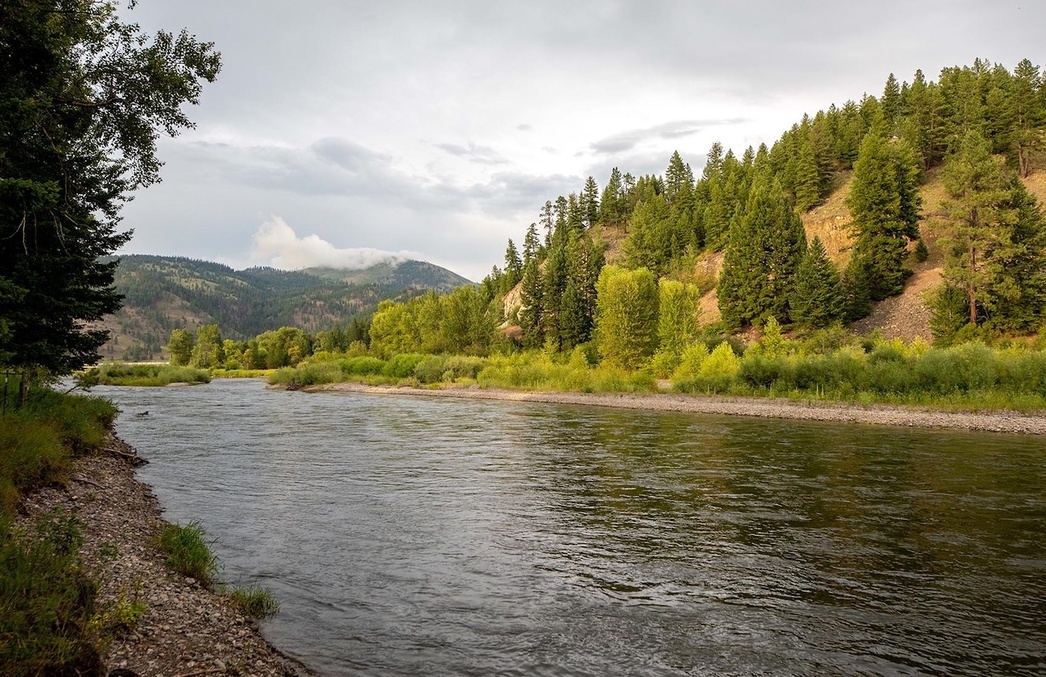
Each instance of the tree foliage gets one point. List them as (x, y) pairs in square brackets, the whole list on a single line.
[(83, 100)]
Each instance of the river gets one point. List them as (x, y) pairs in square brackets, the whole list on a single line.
[(407, 535)]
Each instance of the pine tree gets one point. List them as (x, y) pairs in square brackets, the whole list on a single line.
[(589, 203), (1017, 298), (767, 242), (884, 202), (531, 244), (979, 220), (817, 297), (611, 203), (532, 299)]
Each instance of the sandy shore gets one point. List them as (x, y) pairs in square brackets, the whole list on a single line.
[(998, 421), (186, 629)]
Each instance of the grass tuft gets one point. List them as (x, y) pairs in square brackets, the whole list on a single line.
[(255, 601), (188, 553)]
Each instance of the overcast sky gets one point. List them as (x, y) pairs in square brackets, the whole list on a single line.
[(343, 132)]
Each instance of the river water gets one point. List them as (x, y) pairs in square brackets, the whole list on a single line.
[(408, 536)]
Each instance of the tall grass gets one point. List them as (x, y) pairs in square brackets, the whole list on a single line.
[(122, 374), (188, 553), (47, 602)]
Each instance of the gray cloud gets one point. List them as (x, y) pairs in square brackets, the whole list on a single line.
[(326, 114), (480, 154), (625, 141)]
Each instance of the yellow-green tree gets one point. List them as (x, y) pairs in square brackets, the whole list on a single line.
[(626, 316)]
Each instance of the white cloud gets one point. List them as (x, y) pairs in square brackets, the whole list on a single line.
[(277, 245)]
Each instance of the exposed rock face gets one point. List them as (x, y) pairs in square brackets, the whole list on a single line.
[(185, 629)]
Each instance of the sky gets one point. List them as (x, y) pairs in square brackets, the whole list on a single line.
[(344, 133)]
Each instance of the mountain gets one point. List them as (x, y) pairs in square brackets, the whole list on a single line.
[(163, 293)]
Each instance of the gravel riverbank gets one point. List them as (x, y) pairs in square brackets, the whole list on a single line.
[(997, 421), (186, 630)]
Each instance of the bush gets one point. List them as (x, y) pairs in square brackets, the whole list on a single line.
[(188, 553), (362, 366), (402, 365)]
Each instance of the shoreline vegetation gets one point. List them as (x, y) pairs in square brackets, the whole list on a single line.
[(91, 579)]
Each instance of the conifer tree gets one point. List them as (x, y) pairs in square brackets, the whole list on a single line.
[(532, 299), (612, 200), (981, 215), (884, 202), (589, 203), (531, 244), (767, 242), (817, 297), (513, 266)]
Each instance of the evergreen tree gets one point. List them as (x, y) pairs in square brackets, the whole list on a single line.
[(884, 202), (979, 220), (531, 244), (767, 242), (1029, 108), (513, 267), (589, 203), (817, 297), (1017, 298), (611, 204), (83, 100), (532, 299)]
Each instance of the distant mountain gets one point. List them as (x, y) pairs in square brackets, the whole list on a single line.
[(165, 293)]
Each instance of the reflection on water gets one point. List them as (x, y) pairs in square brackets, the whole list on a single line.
[(430, 536)]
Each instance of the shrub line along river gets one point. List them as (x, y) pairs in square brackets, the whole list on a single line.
[(473, 537)]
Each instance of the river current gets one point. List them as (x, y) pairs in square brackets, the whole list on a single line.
[(410, 536)]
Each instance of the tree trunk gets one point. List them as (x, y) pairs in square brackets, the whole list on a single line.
[(971, 288)]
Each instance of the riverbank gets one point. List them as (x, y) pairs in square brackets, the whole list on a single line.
[(184, 629), (997, 421)]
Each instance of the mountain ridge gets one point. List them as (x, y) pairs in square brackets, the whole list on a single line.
[(163, 293)]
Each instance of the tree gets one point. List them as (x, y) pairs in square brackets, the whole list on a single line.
[(209, 351), (817, 297), (626, 316), (978, 219), (83, 99), (767, 242), (678, 313), (884, 202), (181, 347)]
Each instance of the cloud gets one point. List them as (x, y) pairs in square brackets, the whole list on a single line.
[(625, 141), (481, 154), (277, 244)]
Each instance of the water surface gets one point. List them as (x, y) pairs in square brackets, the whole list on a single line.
[(409, 535)]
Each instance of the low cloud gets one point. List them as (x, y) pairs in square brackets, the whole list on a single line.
[(626, 141), (276, 244)]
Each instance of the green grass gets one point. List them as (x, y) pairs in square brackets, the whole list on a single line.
[(47, 602), (188, 553), (255, 601), (149, 375)]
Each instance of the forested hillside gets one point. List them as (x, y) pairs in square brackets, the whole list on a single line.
[(953, 157), (167, 293)]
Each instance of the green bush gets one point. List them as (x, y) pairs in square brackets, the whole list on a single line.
[(362, 366), (402, 365), (188, 553), (430, 370)]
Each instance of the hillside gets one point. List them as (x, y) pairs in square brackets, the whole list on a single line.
[(165, 293)]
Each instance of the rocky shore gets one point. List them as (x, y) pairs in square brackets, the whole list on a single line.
[(185, 630), (997, 421)]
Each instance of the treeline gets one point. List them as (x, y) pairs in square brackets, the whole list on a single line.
[(981, 125), (205, 348)]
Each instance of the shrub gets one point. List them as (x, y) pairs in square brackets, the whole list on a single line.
[(362, 365), (188, 553), (402, 365), (720, 369)]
